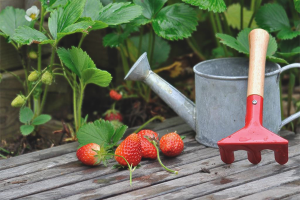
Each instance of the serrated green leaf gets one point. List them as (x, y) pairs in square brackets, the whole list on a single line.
[(26, 129), (210, 5), (27, 35), (141, 20), (26, 115), (92, 9), (10, 19), (89, 133), (82, 26), (150, 7), (161, 48), (62, 18), (119, 133), (176, 21), (41, 119), (289, 45), (115, 39), (294, 52), (76, 60), (272, 17), (119, 13), (98, 25), (276, 60), (96, 76), (287, 34), (241, 44), (56, 4), (232, 15), (297, 5)]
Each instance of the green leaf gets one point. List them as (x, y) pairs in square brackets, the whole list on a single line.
[(115, 39), (287, 34), (294, 52), (98, 25), (232, 15), (176, 21), (92, 9), (119, 133), (272, 17), (210, 5), (26, 129), (56, 4), (297, 5), (27, 35), (82, 26), (276, 60), (10, 19), (96, 76), (119, 13), (76, 60), (241, 44), (41, 119), (161, 48), (150, 7), (141, 20), (62, 18), (289, 45), (26, 115)]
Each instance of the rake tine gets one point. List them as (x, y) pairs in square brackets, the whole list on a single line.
[(280, 156), (254, 156), (227, 156)]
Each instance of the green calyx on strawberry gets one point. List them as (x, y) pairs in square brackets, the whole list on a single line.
[(91, 154), (113, 114), (148, 149), (171, 144)]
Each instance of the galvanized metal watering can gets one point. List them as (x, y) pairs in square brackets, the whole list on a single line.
[(221, 90)]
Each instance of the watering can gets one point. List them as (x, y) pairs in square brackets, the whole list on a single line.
[(221, 90)]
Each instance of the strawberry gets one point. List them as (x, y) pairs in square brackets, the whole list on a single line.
[(148, 149), (113, 116), (90, 154), (115, 95), (130, 149), (171, 144)]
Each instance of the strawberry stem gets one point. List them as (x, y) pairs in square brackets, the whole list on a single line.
[(129, 167), (161, 118), (158, 158)]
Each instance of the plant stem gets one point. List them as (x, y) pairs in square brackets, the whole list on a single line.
[(256, 6), (150, 120), (158, 158), (75, 102), (220, 30), (150, 46), (81, 39), (46, 87), (81, 94), (140, 41), (26, 86), (194, 46), (129, 167), (242, 14), (213, 23)]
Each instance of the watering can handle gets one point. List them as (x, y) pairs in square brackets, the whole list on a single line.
[(258, 44), (297, 114)]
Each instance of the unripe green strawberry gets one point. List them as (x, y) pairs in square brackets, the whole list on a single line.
[(18, 101), (32, 55), (47, 78), (33, 76), (0, 77)]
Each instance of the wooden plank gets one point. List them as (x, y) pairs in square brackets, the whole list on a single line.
[(293, 197), (107, 186), (69, 184), (280, 192)]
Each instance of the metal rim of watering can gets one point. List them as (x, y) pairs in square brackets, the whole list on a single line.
[(277, 71)]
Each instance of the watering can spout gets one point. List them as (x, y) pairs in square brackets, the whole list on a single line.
[(183, 106)]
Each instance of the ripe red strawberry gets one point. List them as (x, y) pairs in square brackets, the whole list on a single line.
[(115, 95), (148, 149), (171, 144), (130, 149), (90, 154), (113, 116)]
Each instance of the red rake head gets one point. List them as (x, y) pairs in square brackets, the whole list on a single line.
[(254, 137)]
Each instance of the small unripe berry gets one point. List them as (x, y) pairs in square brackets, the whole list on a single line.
[(33, 76), (18, 101), (47, 78), (32, 55)]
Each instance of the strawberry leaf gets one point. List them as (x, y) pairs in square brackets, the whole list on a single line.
[(96, 76), (41, 119), (297, 5), (210, 5), (150, 7), (27, 35), (287, 34), (119, 134), (92, 9), (26, 115), (26, 129)]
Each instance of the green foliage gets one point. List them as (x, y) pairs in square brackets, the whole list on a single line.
[(115, 39), (210, 5), (119, 13), (241, 44), (26, 35), (161, 49), (233, 11), (10, 19), (266, 19), (61, 19), (100, 132), (27, 117), (92, 9), (82, 65), (297, 5), (176, 21), (150, 7)]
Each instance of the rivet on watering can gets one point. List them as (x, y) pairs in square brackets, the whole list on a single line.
[(254, 102)]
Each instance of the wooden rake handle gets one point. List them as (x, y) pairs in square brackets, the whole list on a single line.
[(258, 44)]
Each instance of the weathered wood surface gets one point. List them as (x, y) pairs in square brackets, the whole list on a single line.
[(56, 173)]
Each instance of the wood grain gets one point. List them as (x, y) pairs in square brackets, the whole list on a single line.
[(258, 43)]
